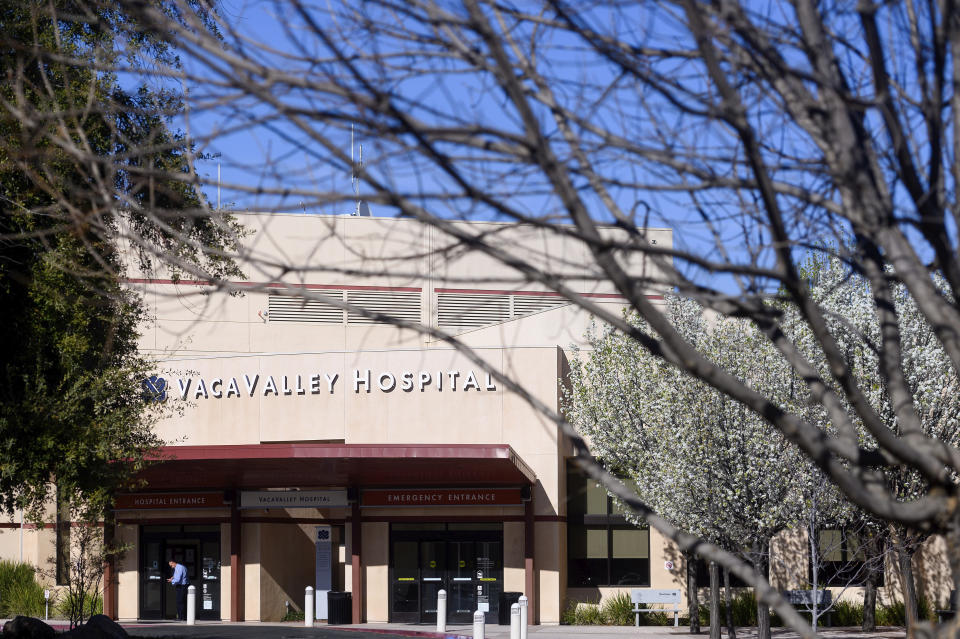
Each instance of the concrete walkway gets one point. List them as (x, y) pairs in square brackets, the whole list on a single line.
[(296, 630), (221, 630)]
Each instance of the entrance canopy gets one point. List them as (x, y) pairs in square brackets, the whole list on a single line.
[(365, 465)]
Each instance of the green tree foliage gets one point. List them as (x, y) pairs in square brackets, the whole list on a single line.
[(82, 157)]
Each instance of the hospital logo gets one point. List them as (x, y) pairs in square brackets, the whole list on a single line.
[(155, 388)]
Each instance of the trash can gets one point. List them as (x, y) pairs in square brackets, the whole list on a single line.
[(339, 607), (507, 599)]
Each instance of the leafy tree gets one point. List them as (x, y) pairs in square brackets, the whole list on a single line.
[(72, 412)]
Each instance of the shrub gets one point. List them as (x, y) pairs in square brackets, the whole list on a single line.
[(893, 614), (19, 591), (293, 615), (579, 613), (586, 614), (744, 607), (618, 610), (92, 604), (24, 598), (846, 613)]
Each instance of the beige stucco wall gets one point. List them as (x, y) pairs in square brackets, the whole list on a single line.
[(286, 555), (128, 583), (226, 596), (251, 544), (376, 553), (514, 575), (203, 334)]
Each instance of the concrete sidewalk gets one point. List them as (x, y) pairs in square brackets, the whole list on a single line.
[(221, 630), (296, 630)]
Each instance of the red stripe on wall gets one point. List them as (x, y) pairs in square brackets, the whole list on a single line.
[(280, 285), (351, 287), (492, 291)]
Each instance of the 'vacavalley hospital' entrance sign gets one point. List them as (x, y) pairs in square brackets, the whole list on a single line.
[(293, 498), (360, 380)]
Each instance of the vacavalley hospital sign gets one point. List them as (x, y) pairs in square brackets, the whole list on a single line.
[(360, 380)]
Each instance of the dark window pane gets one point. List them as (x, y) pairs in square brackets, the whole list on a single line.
[(406, 597), (405, 559), (585, 496), (587, 542), (630, 572), (703, 576), (842, 559), (630, 543), (587, 572)]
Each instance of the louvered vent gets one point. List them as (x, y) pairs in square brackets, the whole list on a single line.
[(285, 308), (469, 311), (527, 304), (403, 305)]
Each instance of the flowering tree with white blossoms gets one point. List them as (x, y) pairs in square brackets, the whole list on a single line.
[(850, 311), (704, 462), (713, 468)]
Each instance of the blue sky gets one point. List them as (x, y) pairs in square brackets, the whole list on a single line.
[(273, 154)]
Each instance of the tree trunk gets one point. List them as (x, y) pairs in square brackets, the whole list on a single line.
[(731, 628), (714, 600), (870, 602), (874, 566), (693, 598), (904, 559), (763, 611)]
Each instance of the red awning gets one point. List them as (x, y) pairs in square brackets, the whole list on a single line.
[(314, 465)]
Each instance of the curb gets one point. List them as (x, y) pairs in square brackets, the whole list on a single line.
[(405, 633)]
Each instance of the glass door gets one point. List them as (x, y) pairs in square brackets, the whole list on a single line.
[(152, 580), (432, 578), (405, 582), (467, 563), (462, 595), (489, 573), (208, 592), (198, 549)]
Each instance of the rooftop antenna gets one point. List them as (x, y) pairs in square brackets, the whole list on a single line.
[(362, 210)]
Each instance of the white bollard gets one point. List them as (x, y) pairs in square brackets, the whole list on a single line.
[(523, 616), (478, 625), (442, 611), (191, 605), (515, 621), (308, 607)]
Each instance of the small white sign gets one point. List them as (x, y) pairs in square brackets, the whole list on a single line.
[(668, 565), (483, 607), (46, 594)]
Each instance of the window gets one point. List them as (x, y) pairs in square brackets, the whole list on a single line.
[(702, 575), (603, 549), (843, 560)]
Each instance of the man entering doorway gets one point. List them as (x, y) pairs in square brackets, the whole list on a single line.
[(180, 582)]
